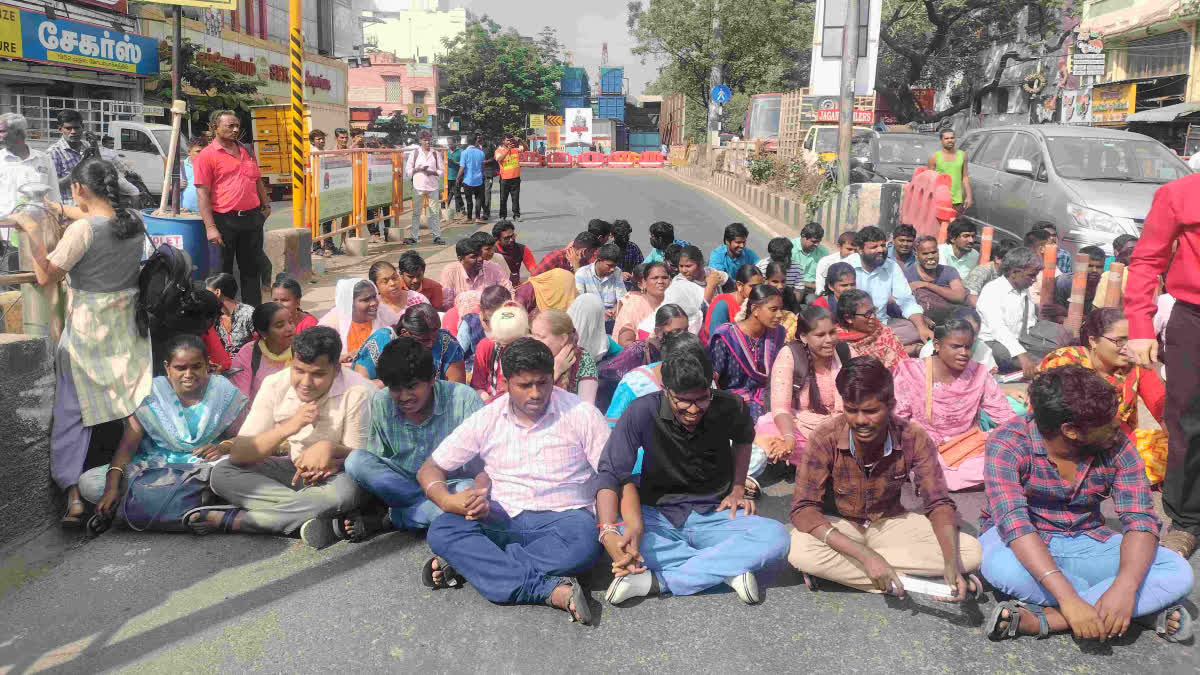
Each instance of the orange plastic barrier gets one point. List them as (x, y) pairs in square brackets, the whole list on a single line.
[(531, 160), (925, 202), (623, 159), (559, 160), (591, 160), (652, 159)]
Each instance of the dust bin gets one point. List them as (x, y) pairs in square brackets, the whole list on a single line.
[(183, 232)]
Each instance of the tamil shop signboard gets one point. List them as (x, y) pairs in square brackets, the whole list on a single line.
[(30, 36), (1112, 103)]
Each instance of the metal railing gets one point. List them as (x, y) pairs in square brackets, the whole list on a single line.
[(42, 112)]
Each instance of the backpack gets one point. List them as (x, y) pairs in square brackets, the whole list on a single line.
[(800, 368), (163, 283)]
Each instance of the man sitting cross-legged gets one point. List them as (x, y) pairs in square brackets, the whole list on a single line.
[(409, 419), (540, 447), (1045, 541), (314, 413), (682, 532), (860, 460)]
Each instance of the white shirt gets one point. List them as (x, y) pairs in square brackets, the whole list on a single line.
[(1001, 307), (823, 268), (15, 172)]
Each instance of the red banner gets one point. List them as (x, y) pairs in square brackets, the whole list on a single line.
[(860, 116)]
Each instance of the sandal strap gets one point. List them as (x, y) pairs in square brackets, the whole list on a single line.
[(1040, 613), (228, 519)]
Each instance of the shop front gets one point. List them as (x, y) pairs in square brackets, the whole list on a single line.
[(48, 62)]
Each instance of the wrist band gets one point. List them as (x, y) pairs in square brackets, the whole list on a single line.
[(429, 485), (606, 530), (601, 526), (115, 468), (825, 539), (1048, 574)]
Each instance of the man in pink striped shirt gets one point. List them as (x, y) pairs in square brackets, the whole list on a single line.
[(471, 272), (540, 446)]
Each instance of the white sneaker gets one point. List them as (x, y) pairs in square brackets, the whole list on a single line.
[(746, 587), (628, 587)]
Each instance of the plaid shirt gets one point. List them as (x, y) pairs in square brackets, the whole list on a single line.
[(1063, 262), (610, 289), (1026, 494), (831, 470), (632, 258), (559, 259), (406, 446)]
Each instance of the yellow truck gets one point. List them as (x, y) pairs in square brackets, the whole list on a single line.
[(273, 146)]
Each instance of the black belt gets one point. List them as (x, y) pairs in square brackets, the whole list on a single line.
[(241, 214)]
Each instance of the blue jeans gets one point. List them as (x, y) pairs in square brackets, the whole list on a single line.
[(709, 548), (517, 559), (1090, 566), (408, 507)]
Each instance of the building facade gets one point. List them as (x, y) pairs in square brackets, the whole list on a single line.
[(393, 85), (415, 33)]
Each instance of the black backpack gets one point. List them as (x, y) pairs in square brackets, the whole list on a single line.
[(164, 288), (800, 369)]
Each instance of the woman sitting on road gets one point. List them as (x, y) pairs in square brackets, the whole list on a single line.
[(777, 276), (799, 405), (587, 314), (838, 279), (287, 292), (187, 413), (356, 314), (981, 353), (420, 322), (574, 367), (235, 326), (637, 308), (270, 353), (506, 324), (553, 289), (743, 351), (393, 294), (693, 288), (861, 330), (1102, 347), (946, 394), (641, 353), (475, 309), (725, 306)]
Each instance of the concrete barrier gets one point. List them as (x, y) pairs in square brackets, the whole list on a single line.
[(28, 500), (356, 246), (290, 251)]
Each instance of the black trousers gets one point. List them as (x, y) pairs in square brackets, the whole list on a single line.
[(474, 198), (510, 187), (487, 196), (455, 189), (1181, 484), (243, 236)]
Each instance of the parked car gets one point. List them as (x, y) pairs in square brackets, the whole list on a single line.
[(1092, 183), (820, 143), (140, 146), (890, 156)]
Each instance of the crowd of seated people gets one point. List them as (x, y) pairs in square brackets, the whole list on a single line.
[(472, 410)]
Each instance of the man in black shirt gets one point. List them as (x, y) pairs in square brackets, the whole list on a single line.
[(491, 169), (682, 532)]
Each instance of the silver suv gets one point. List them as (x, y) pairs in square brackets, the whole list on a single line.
[(1092, 183)]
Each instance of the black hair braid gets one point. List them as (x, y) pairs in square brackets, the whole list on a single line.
[(128, 223), (814, 392)]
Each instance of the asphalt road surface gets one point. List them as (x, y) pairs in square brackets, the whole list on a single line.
[(163, 603)]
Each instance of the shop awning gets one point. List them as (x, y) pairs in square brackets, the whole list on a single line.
[(1164, 114)]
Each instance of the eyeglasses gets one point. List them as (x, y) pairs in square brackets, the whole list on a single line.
[(1119, 343), (865, 314), (684, 405)]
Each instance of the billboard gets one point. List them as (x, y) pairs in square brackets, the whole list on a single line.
[(825, 73), (31, 36), (578, 125)]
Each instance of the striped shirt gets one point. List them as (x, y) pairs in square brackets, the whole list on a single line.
[(549, 466), (1026, 494), (405, 445)]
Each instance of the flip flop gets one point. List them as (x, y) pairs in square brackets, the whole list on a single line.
[(367, 526), (1158, 623), (450, 577), (583, 611), (1012, 630), (225, 526), (70, 522), (98, 524)]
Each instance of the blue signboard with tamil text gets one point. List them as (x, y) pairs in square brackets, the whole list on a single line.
[(30, 36)]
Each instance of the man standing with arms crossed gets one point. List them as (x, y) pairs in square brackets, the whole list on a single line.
[(1174, 220), (233, 203), (509, 157), (953, 163)]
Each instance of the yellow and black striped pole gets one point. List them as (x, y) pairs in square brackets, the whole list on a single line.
[(296, 117)]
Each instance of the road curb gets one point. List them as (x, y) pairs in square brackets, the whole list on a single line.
[(764, 222)]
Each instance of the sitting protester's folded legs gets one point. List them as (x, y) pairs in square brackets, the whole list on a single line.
[(408, 507), (273, 505), (519, 559)]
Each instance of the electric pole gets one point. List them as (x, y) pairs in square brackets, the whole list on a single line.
[(714, 79), (849, 71)]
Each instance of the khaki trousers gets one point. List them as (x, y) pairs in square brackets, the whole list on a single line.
[(907, 542), (273, 504)]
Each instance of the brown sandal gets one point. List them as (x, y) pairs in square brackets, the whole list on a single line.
[(582, 612), (1180, 541)]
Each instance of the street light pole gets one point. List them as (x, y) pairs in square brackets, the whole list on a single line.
[(849, 71), (296, 116), (714, 79)]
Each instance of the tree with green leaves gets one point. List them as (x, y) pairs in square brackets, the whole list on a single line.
[(495, 78), (941, 43), (219, 87), (764, 45)]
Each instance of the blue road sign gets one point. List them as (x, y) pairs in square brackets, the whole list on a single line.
[(721, 94)]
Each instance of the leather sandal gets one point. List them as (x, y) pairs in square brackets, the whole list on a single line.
[(1180, 541), (1013, 629)]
